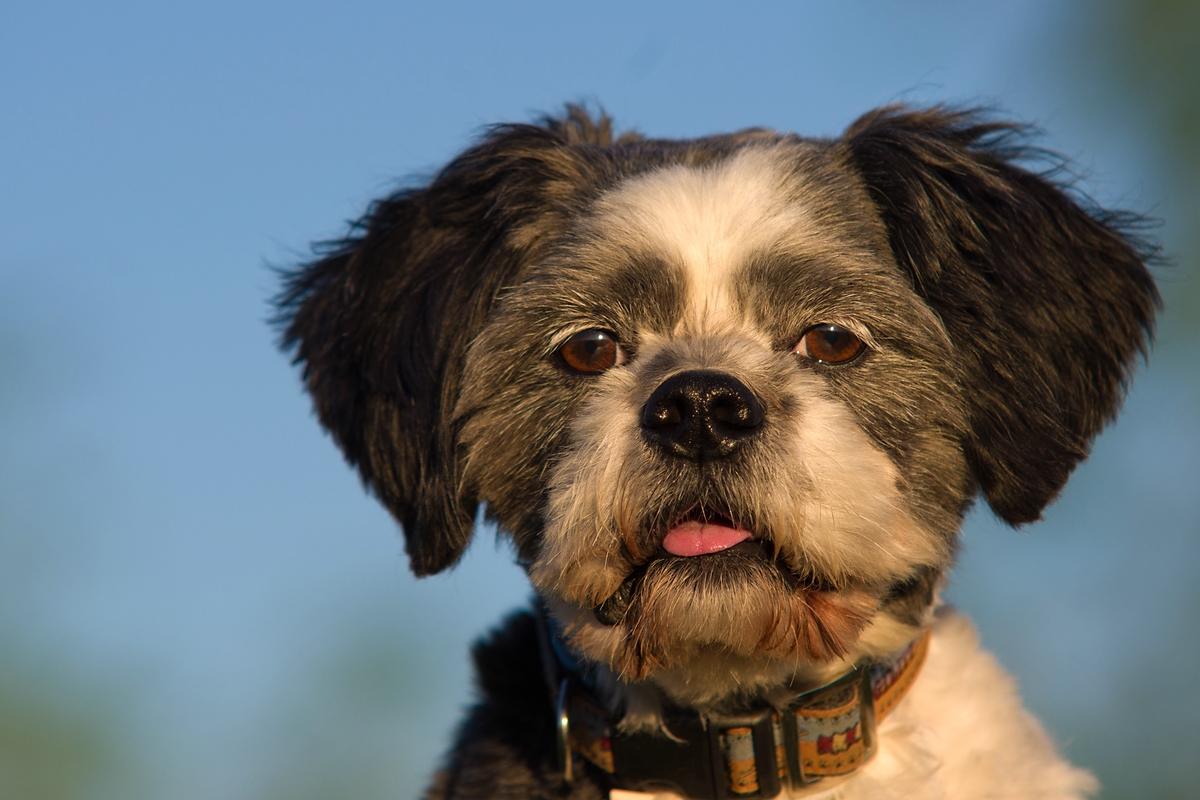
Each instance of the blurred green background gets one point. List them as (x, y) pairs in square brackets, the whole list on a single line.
[(197, 600)]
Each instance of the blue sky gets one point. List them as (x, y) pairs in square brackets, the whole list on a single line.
[(177, 533)]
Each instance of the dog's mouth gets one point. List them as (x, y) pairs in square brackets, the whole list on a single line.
[(703, 532), (710, 544), (713, 577)]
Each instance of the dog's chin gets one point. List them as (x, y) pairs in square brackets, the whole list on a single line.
[(737, 605)]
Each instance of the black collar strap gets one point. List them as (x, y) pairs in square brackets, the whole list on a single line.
[(826, 732)]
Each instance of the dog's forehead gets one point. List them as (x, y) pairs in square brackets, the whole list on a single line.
[(693, 246), (709, 222)]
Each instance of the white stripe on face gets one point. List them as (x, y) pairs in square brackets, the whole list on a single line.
[(709, 220)]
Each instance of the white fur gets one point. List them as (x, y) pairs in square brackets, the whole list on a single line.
[(960, 734), (848, 515), (709, 220)]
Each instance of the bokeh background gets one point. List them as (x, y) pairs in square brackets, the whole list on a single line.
[(197, 600)]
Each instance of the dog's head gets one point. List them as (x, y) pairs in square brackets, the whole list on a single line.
[(731, 397)]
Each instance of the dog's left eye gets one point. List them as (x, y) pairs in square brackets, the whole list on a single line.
[(829, 344), (591, 352)]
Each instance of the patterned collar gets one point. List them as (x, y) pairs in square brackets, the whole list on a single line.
[(826, 732)]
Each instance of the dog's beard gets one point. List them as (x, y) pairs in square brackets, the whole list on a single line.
[(735, 601)]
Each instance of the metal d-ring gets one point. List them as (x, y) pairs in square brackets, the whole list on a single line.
[(562, 719)]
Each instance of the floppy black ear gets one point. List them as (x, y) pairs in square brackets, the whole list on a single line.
[(1047, 302), (382, 320)]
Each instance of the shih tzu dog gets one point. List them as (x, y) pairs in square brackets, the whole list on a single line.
[(730, 398)]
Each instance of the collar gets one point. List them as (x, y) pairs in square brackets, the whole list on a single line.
[(820, 734)]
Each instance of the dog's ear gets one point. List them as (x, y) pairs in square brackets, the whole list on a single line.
[(1047, 302), (382, 319)]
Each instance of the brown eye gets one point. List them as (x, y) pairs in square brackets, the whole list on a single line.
[(591, 352), (829, 344)]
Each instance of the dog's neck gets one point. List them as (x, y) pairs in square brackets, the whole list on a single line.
[(716, 681), (751, 743)]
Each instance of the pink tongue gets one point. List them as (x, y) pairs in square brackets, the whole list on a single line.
[(700, 538)]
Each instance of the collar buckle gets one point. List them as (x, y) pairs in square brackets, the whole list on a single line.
[(747, 754), (831, 730), (826, 732)]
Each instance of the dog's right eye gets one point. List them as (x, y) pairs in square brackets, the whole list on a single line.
[(591, 352)]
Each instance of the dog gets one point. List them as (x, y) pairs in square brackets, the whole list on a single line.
[(730, 398)]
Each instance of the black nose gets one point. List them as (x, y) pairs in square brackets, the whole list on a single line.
[(700, 415)]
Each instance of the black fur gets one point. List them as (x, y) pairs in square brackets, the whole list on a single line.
[(1047, 302), (505, 747), (382, 320)]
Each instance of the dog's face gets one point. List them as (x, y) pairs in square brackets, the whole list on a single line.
[(722, 352), (730, 397)]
